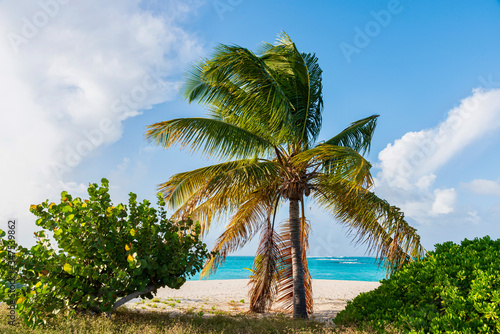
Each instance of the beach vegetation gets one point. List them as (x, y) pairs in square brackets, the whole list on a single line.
[(105, 255), (455, 289), (126, 321), (265, 116)]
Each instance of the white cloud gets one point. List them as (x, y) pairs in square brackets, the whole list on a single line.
[(484, 187), (444, 201), (409, 166), (416, 209), (420, 154), (473, 217), (425, 181), (71, 73)]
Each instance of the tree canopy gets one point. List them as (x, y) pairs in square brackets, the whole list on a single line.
[(264, 118)]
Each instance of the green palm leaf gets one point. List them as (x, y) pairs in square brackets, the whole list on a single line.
[(302, 83), (213, 137), (357, 136), (337, 163), (236, 81)]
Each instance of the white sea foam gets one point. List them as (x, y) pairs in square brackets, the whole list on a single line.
[(350, 262)]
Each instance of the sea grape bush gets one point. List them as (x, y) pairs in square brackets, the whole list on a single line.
[(455, 289), (104, 252)]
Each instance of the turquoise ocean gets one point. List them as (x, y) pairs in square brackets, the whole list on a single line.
[(334, 268)]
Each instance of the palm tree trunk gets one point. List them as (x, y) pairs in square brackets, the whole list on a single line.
[(299, 291)]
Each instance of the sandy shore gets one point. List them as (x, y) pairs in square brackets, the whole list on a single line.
[(231, 297)]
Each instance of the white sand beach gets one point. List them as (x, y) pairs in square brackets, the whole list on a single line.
[(210, 297)]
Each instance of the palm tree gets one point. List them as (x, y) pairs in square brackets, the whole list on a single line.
[(265, 113)]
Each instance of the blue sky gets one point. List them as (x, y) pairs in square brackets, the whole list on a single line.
[(80, 86)]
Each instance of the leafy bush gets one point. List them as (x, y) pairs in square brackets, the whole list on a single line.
[(455, 289), (104, 252)]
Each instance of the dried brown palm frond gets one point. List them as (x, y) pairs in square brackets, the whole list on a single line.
[(244, 224), (265, 277), (285, 287)]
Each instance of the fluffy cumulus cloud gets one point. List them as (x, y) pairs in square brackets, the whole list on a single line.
[(444, 200), (409, 167), (72, 71)]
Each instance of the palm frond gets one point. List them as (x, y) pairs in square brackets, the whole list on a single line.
[(213, 137), (285, 287), (244, 224), (337, 163), (301, 80), (313, 118), (357, 136), (265, 274), (208, 192), (237, 83), (373, 222)]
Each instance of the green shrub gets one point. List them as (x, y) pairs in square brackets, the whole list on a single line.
[(455, 289), (103, 253)]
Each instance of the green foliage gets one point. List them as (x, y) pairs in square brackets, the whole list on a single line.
[(455, 289), (103, 252)]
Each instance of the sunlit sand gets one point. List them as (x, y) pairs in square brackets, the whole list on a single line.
[(210, 297)]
